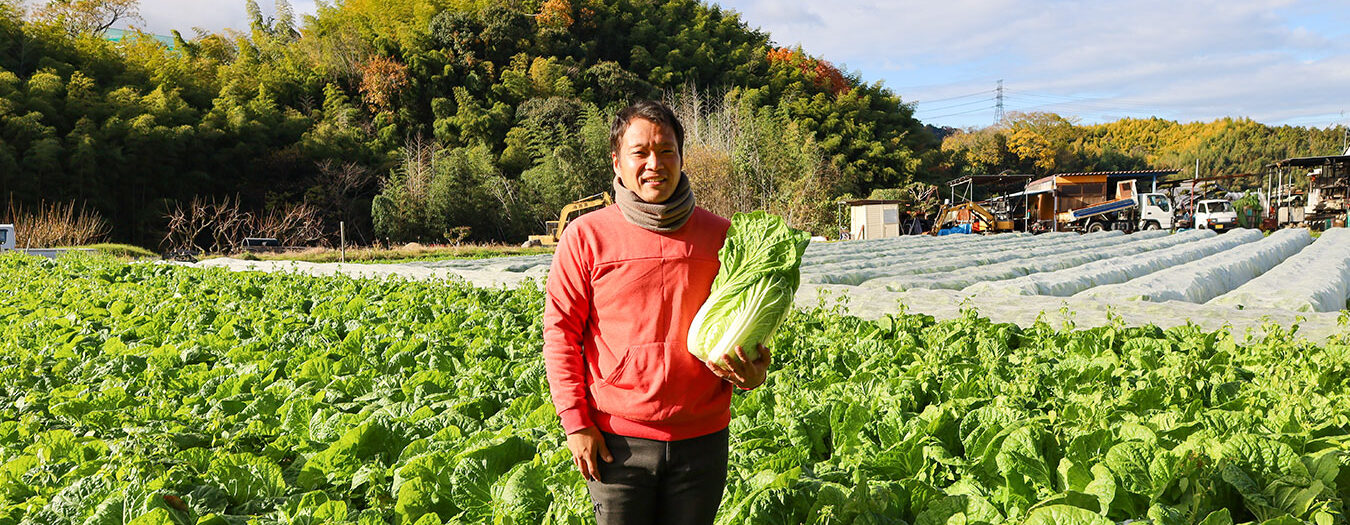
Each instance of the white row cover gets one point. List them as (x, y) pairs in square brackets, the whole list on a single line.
[(1212, 276), (1316, 279), (851, 252), (935, 259), (1063, 255), (1179, 248)]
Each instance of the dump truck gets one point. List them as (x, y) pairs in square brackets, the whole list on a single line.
[(1088, 203)]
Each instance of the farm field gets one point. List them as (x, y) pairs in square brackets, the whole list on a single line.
[(1239, 280), (154, 393)]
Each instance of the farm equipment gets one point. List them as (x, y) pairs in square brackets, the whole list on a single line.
[(554, 229), (1325, 201), (1082, 203), (967, 217), (6, 237)]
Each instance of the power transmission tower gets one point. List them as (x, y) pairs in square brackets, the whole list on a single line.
[(998, 108)]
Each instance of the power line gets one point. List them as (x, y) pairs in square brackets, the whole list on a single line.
[(968, 95), (976, 110), (1117, 101), (1087, 105), (939, 108)]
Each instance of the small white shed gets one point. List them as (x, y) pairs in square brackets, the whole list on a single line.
[(874, 219)]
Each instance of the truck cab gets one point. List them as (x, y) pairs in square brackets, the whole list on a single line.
[(1155, 212), (1215, 214), (6, 237)]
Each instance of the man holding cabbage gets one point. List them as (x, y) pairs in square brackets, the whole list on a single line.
[(646, 419)]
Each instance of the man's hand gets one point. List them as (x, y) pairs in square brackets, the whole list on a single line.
[(741, 371), (588, 446)]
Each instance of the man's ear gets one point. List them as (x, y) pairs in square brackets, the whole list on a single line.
[(614, 162)]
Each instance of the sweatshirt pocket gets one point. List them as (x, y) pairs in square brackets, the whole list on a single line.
[(637, 388), (647, 383), (641, 369)]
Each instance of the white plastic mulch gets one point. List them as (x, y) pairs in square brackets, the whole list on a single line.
[(1212, 276), (1088, 248), (1197, 244), (1019, 278), (1317, 279)]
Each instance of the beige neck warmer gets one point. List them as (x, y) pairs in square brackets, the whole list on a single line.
[(658, 217)]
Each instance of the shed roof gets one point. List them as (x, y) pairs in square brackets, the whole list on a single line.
[(866, 202), (1122, 174), (1312, 161), (991, 180)]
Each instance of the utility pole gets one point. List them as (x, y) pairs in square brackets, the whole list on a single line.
[(998, 108)]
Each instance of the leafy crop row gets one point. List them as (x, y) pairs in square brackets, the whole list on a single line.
[(161, 394)]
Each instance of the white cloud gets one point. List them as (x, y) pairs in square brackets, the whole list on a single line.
[(161, 16), (1273, 60)]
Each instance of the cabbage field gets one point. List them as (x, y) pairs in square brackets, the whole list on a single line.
[(161, 394)]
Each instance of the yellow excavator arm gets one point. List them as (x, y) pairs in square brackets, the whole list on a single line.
[(555, 228), (964, 212)]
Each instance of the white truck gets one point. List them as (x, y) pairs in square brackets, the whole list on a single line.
[(1128, 211), (6, 237), (1215, 214), (8, 240)]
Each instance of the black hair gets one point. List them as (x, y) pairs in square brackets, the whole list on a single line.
[(649, 110)]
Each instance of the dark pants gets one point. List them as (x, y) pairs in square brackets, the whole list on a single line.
[(665, 482)]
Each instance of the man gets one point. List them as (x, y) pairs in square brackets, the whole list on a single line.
[(646, 421)]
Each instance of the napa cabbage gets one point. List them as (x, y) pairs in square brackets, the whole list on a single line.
[(754, 288)]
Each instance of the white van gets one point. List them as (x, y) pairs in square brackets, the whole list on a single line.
[(1215, 214)]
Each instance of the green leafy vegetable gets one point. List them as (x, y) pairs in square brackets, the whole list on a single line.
[(150, 393), (753, 290)]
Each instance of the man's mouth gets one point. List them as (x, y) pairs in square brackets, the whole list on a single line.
[(653, 181)]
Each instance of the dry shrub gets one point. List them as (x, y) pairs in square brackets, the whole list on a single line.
[(56, 224), (716, 186), (211, 225), (296, 224)]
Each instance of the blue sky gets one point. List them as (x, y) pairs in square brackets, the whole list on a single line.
[(1276, 61)]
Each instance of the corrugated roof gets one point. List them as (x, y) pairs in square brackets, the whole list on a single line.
[(1135, 173), (1312, 161)]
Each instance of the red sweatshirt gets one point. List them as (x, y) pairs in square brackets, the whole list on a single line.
[(618, 305)]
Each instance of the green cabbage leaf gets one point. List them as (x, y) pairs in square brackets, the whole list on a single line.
[(753, 290)]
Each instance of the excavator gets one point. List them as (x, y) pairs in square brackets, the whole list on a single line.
[(967, 217), (554, 229)]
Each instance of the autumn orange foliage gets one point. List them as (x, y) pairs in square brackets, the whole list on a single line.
[(556, 13), (382, 80), (823, 73)]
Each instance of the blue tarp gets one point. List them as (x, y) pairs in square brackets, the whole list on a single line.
[(962, 228)]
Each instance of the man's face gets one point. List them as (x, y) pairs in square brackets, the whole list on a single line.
[(648, 160)]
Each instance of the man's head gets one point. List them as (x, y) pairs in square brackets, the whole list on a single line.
[(646, 143)]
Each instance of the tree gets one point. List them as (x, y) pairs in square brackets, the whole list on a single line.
[(89, 16)]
